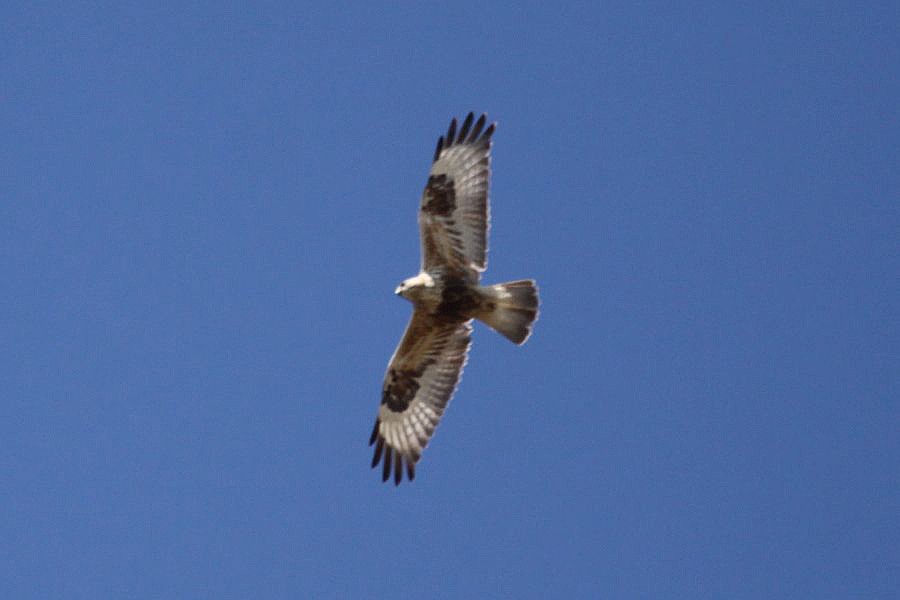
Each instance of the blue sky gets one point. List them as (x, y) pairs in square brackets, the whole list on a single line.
[(205, 211)]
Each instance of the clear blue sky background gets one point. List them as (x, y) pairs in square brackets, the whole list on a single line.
[(204, 212)]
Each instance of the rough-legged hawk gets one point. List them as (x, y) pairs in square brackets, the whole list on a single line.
[(446, 296)]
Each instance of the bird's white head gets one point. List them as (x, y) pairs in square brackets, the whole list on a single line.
[(411, 288)]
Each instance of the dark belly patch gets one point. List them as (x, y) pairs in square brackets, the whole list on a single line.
[(458, 301)]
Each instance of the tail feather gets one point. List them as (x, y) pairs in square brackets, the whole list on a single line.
[(511, 308)]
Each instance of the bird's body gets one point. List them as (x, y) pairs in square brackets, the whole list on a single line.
[(426, 367)]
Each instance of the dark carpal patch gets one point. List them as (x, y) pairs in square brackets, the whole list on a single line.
[(400, 388), (440, 196)]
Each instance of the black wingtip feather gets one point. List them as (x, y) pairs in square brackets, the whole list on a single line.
[(386, 471), (410, 470), (374, 435), (379, 448), (478, 127), (440, 146), (451, 132), (465, 127), (489, 131), (398, 468)]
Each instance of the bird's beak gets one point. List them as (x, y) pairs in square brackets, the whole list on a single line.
[(397, 291)]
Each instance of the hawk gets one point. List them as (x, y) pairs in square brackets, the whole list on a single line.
[(446, 295)]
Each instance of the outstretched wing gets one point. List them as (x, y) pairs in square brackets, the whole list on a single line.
[(418, 385), (454, 214)]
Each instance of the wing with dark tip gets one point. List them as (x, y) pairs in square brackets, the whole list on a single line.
[(420, 380), (454, 214)]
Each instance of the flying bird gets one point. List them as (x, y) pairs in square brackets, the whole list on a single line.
[(454, 216)]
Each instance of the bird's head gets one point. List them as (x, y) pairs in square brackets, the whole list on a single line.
[(411, 288)]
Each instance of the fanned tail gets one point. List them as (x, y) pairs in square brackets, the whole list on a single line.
[(511, 308)]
